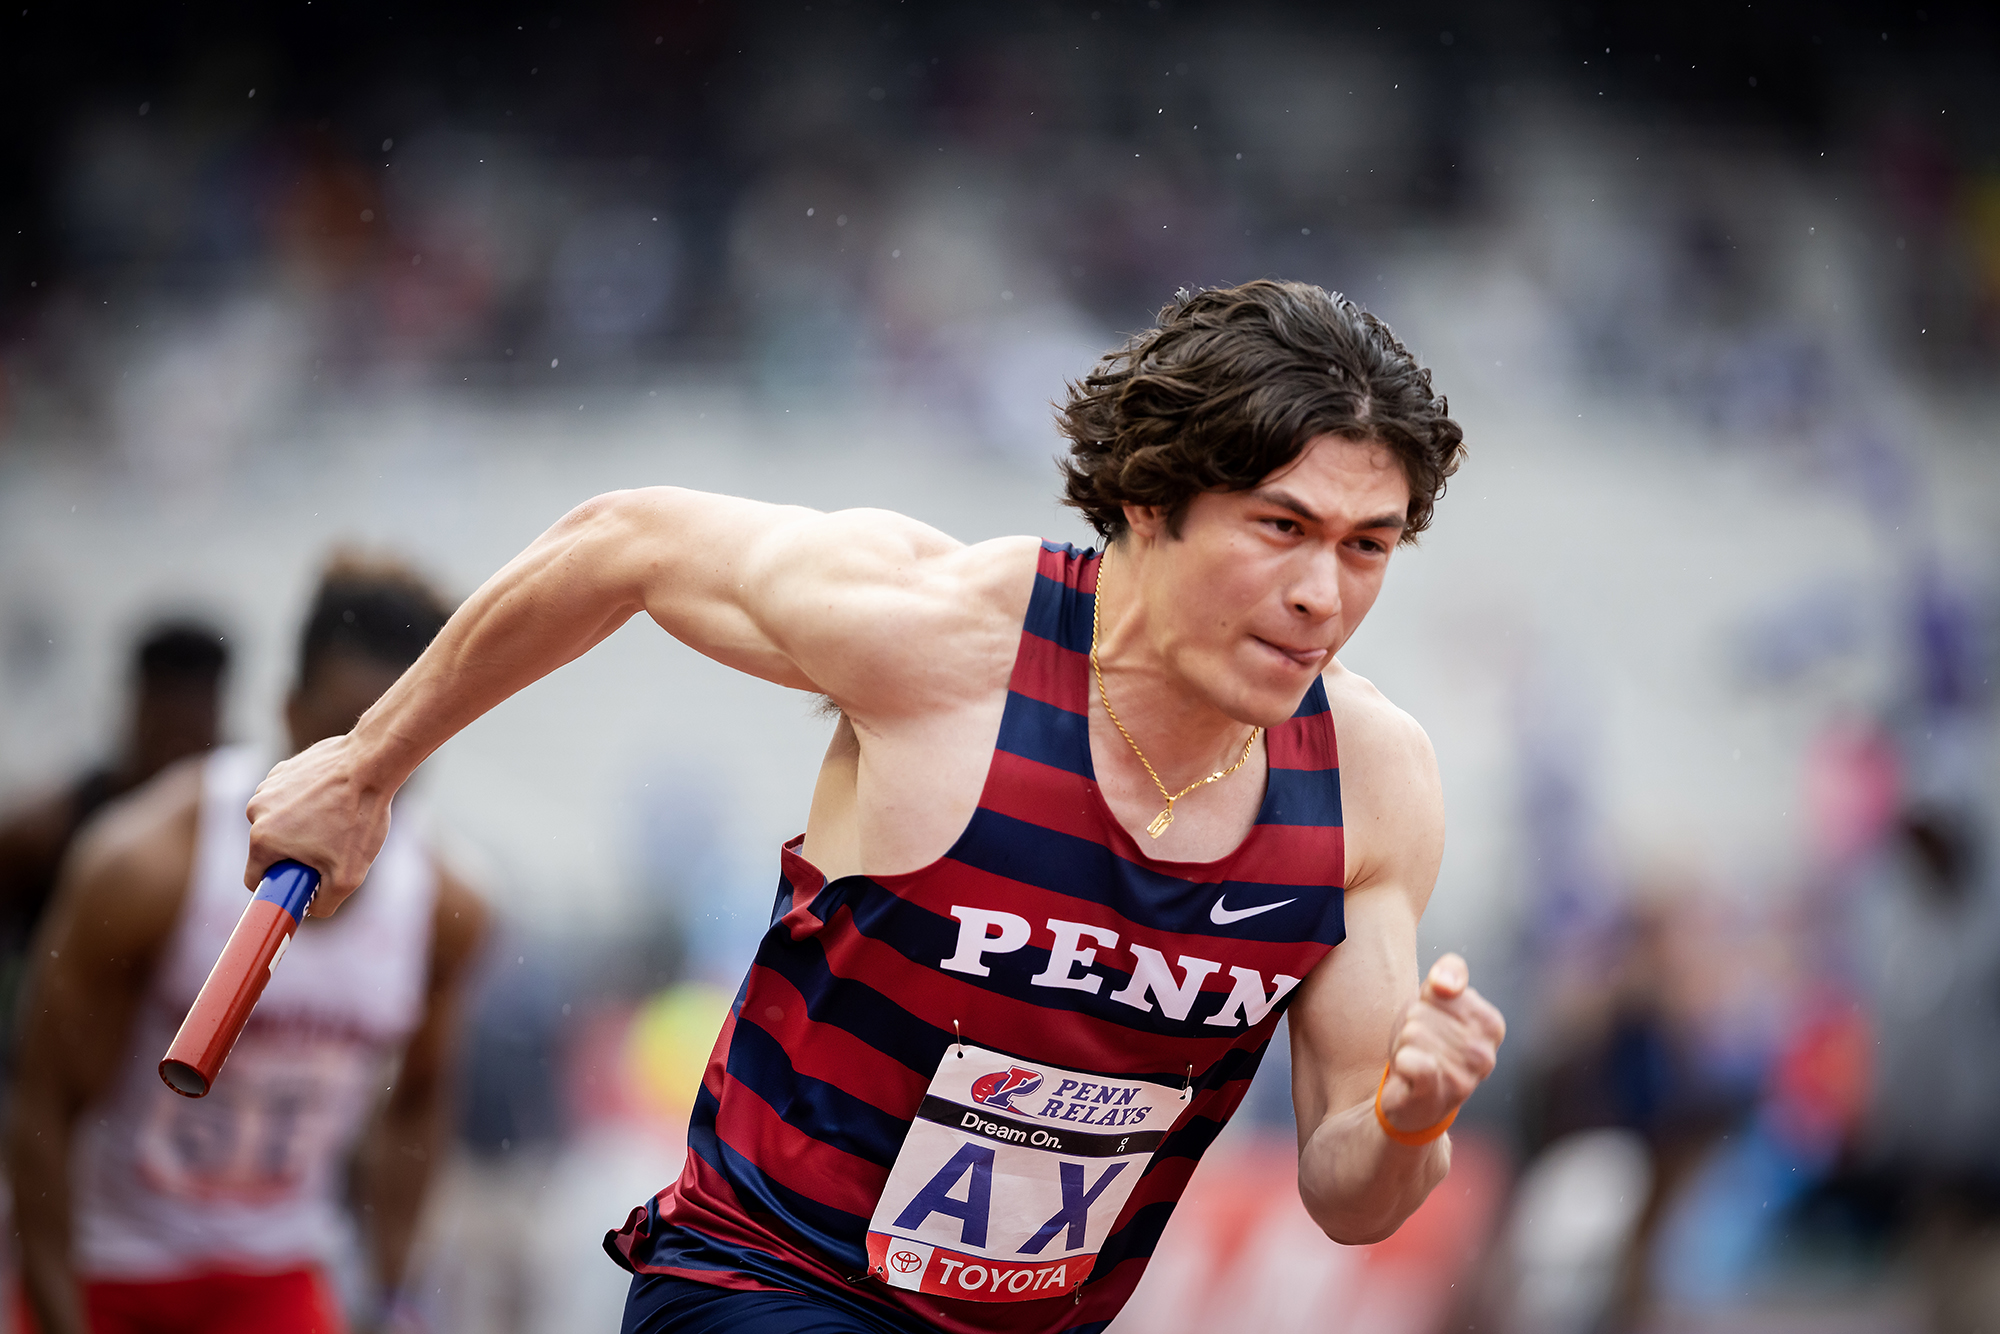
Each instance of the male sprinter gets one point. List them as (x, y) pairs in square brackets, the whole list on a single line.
[(176, 683), (143, 1212), (1043, 919)]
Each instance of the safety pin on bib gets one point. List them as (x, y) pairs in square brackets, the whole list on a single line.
[(958, 1048), (1187, 1086)]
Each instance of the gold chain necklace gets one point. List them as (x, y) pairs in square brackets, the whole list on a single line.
[(1165, 817)]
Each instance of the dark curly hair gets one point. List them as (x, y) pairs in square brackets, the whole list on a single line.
[(1231, 386)]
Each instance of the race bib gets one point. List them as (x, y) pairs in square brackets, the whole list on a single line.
[(1010, 1177), (282, 1116)]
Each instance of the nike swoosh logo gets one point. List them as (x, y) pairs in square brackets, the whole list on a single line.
[(1222, 916)]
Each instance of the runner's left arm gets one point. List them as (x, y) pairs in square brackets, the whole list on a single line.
[(1362, 1005), (413, 1129)]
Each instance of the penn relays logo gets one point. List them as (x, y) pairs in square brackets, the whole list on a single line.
[(1000, 1088)]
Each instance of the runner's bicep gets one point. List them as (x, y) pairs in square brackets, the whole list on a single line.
[(777, 591), (689, 559), (839, 599)]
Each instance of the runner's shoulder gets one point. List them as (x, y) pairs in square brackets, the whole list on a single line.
[(34, 829), (887, 616), (1392, 803), (998, 573), (1375, 736), (138, 850), (894, 554), (888, 540)]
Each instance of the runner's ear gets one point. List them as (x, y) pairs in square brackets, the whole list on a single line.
[(1146, 521)]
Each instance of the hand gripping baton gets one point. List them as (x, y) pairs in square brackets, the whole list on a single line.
[(238, 978)]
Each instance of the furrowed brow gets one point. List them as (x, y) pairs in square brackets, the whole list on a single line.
[(1284, 499)]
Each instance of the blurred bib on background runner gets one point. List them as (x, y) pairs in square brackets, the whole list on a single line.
[(290, 1104), (251, 1177), (1011, 1176)]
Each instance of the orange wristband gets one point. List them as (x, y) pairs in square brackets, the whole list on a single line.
[(1412, 1138)]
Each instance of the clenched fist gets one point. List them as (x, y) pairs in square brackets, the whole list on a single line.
[(315, 808), (1443, 1048)]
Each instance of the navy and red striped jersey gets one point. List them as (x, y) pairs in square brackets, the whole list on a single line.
[(851, 1001)]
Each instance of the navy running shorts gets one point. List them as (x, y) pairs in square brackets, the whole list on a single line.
[(663, 1304)]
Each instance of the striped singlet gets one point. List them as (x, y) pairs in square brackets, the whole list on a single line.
[(1047, 935)]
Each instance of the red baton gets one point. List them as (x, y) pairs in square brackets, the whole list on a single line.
[(238, 978)]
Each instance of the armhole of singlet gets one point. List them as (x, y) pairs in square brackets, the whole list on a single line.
[(1324, 719)]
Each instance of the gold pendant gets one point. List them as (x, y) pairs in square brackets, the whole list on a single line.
[(1161, 821)]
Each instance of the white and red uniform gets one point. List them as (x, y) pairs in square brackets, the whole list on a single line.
[(248, 1180)]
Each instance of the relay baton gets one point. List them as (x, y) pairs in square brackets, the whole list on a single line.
[(238, 978)]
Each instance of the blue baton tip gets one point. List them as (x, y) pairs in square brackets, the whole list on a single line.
[(290, 885)]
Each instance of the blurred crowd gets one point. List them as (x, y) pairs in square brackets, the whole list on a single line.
[(1753, 1097), (847, 199)]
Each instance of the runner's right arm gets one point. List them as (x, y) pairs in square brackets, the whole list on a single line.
[(821, 602), (119, 896)]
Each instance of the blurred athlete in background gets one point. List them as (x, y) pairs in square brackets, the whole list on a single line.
[(1044, 918), (142, 1212), (176, 703)]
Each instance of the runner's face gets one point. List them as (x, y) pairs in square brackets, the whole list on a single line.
[(1265, 585)]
